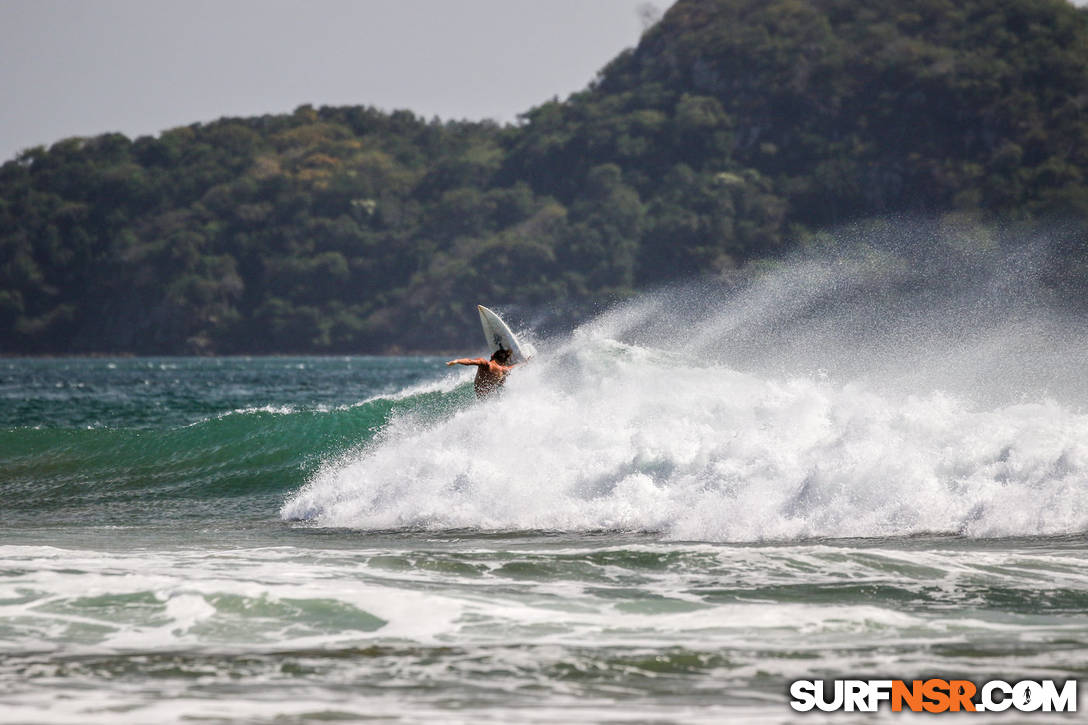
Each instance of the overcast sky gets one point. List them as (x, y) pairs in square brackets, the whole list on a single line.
[(84, 67)]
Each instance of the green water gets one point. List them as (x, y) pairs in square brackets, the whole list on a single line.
[(120, 441)]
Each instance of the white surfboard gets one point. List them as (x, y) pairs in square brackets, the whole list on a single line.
[(499, 336)]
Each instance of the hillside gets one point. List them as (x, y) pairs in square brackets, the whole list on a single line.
[(736, 130)]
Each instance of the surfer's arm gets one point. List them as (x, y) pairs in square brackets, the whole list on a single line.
[(468, 361)]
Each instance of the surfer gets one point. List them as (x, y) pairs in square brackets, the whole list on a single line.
[(490, 374)]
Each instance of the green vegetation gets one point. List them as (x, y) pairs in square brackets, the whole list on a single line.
[(734, 131)]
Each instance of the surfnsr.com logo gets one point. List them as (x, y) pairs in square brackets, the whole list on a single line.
[(933, 695)]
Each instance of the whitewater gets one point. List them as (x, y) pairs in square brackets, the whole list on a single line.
[(802, 405)]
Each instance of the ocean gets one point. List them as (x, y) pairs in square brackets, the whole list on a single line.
[(670, 515)]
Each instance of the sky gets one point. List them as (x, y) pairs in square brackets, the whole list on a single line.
[(85, 67)]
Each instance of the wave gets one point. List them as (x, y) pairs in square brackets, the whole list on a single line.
[(826, 399), (248, 451)]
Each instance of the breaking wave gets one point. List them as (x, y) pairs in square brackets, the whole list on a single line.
[(861, 395)]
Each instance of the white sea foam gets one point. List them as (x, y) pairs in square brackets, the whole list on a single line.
[(830, 398), (268, 600), (137, 636)]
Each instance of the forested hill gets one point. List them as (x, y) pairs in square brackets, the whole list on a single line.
[(735, 130)]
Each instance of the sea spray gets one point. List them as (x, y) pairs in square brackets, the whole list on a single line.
[(867, 394), (643, 442)]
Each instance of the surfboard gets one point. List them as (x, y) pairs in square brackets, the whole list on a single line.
[(499, 336)]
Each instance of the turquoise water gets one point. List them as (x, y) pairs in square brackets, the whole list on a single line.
[(114, 442), (306, 539)]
